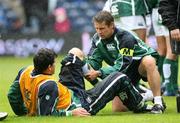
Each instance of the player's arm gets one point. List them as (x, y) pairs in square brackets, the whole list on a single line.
[(94, 60), (168, 10), (15, 97), (94, 56), (47, 99)]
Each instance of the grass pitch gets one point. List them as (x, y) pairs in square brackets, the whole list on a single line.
[(9, 67)]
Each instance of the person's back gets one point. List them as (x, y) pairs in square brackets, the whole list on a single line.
[(35, 88), (32, 85)]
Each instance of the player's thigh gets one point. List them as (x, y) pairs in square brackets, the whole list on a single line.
[(169, 54), (131, 22), (133, 73), (159, 28), (147, 63), (161, 43), (141, 33)]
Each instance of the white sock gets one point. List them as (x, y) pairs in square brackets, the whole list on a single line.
[(85, 69), (158, 100)]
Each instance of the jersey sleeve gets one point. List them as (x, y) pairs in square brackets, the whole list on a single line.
[(94, 57), (15, 97), (107, 6), (47, 100)]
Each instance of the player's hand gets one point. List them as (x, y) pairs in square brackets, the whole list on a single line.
[(92, 75), (80, 112), (175, 34)]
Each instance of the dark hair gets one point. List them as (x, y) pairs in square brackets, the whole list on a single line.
[(43, 58), (103, 16)]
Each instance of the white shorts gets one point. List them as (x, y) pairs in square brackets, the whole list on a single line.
[(159, 29), (131, 22)]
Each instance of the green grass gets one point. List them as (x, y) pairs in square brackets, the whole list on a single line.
[(9, 66)]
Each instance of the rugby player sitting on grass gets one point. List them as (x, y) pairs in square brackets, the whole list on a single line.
[(36, 92)]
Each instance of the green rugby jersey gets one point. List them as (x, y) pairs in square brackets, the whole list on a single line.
[(121, 8), (18, 106), (119, 51)]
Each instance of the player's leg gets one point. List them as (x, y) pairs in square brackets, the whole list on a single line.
[(116, 84), (141, 33), (161, 42), (118, 106), (162, 35), (86, 67), (170, 71), (71, 74), (136, 24), (148, 69), (77, 52), (133, 74)]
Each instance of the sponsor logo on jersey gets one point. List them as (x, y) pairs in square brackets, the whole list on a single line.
[(110, 47), (126, 52), (47, 97)]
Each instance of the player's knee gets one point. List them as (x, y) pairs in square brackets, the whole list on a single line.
[(76, 51), (149, 62), (122, 79)]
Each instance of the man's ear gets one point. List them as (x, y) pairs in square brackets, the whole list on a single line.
[(112, 25), (49, 67)]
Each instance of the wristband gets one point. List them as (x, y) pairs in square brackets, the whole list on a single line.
[(68, 113), (100, 73)]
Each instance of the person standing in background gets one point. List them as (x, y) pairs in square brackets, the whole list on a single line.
[(129, 14), (62, 23), (12, 17), (170, 12), (36, 12)]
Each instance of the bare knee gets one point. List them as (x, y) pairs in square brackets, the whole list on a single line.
[(149, 62), (76, 51)]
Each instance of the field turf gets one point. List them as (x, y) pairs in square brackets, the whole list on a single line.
[(9, 66)]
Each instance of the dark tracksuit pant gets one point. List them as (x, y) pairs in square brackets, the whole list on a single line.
[(93, 100)]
